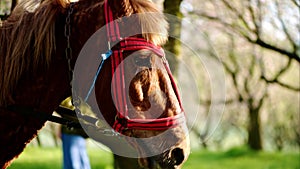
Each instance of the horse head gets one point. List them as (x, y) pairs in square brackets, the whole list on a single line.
[(135, 91)]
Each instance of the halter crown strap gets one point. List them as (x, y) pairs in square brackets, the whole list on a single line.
[(123, 122), (113, 35)]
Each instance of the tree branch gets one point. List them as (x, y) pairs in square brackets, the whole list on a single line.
[(276, 80), (239, 15), (252, 13), (297, 3), (262, 99), (248, 32), (266, 45), (285, 30), (247, 87), (233, 73), (253, 37), (209, 102)]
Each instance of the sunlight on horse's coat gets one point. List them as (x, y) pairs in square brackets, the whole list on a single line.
[(35, 77)]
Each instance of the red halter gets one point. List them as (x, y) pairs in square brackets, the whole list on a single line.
[(123, 122)]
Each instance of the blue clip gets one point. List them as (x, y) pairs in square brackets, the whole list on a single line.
[(106, 55)]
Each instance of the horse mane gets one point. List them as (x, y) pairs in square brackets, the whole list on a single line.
[(27, 40), (153, 24), (27, 37)]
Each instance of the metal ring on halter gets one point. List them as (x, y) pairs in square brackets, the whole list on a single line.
[(108, 44)]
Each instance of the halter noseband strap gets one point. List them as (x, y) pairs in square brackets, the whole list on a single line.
[(123, 122)]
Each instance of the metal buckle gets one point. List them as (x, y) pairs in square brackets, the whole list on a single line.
[(108, 45)]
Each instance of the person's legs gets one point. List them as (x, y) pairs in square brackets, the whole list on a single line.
[(84, 159), (67, 155), (74, 152)]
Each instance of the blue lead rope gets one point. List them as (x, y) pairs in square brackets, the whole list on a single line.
[(104, 56)]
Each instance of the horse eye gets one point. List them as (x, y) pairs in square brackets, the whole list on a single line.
[(142, 61)]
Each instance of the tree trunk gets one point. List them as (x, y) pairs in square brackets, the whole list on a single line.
[(254, 134), (13, 5), (173, 7)]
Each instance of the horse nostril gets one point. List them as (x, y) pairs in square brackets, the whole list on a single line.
[(178, 156)]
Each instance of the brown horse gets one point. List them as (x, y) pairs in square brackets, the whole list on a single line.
[(40, 44)]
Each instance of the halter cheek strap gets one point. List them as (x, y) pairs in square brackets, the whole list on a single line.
[(123, 122)]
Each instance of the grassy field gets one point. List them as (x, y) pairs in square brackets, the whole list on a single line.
[(239, 158)]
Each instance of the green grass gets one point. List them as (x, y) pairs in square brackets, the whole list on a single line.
[(238, 158), (35, 158), (51, 158), (242, 159)]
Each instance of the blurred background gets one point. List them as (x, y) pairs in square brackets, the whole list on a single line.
[(237, 66)]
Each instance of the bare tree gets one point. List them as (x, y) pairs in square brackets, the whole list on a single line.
[(257, 21), (250, 90), (269, 33)]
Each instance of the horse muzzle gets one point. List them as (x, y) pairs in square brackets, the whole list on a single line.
[(173, 159)]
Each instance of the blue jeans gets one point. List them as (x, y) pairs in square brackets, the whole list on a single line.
[(74, 152)]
